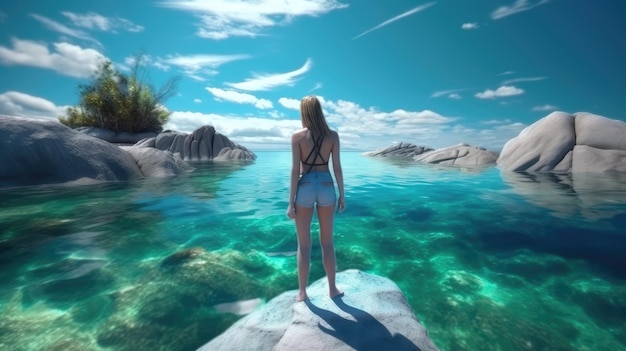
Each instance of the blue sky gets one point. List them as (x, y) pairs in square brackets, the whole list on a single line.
[(431, 73)]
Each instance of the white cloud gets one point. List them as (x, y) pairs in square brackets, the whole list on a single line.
[(253, 132), (506, 73), (221, 19), (14, 103), (360, 128), (396, 18), (292, 104), (196, 66), (469, 26), (197, 101), (503, 91), (449, 93), (317, 85), (67, 59), (92, 20), (545, 108), (519, 80), (239, 98), (496, 121), (455, 96), (517, 7), (62, 29), (262, 82)]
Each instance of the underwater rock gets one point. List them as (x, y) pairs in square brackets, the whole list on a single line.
[(201, 145), (373, 314), (183, 256), (404, 150), (459, 155), (562, 142)]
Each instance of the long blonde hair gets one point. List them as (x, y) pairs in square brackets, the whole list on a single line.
[(313, 117)]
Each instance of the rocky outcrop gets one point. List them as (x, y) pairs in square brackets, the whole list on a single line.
[(373, 315), (562, 142), (404, 150), (459, 155), (203, 144), (39, 151), (113, 137), (157, 163)]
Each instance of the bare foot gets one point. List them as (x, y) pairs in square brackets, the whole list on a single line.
[(301, 296), (335, 293)]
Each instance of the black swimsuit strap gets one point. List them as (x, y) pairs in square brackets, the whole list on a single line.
[(317, 146)]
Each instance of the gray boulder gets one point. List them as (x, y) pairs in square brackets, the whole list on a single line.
[(38, 151), (112, 137), (373, 315), (403, 150), (459, 155), (562, 142), (203, 144), (157, 163)]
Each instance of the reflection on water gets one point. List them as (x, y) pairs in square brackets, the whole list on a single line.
[(171, 263), (593, 196)]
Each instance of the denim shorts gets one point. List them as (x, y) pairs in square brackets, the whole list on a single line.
[(316, 187)]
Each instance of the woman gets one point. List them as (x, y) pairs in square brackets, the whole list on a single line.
[(312, 185)]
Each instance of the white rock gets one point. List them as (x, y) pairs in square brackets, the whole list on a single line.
[(373, 315)]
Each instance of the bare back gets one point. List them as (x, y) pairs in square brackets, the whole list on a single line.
[(306, 143)]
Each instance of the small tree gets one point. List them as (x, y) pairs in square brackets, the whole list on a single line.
[(120, 102)]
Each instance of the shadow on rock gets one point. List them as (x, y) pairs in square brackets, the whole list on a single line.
[(365, 333)]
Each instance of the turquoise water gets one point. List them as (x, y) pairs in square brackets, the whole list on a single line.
[(488, 261)]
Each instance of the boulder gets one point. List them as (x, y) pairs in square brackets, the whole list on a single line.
[(203, 144), (562, 142), (372, 315), (404, 150), (39, 151), (459, 155), (157, 163), (112, 137)]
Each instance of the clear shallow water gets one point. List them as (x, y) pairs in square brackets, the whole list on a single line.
[(488, 261)]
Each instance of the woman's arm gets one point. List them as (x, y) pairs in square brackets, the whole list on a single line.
[(341, 202), (295, 175)]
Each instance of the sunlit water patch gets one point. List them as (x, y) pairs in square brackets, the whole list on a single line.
[(488, 261)]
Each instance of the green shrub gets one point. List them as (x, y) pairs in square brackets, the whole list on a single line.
[(120, 102)]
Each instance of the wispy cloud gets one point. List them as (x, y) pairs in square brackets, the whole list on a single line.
[(63, 29), (14, 103), (448, 93), (197, 101), (239, 98), (317, 86), (517, 7), (545, 108), (506, 73), (196, 66), (66, 59), (269, 81), (520, 80), (469, 26), (221, 19), (92, 20), (398, 17), (503, 91)]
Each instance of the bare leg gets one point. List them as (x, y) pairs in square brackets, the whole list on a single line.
[(326, 216), (303, 229)]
